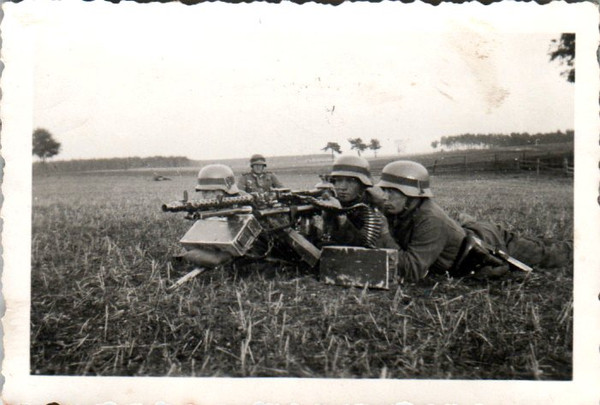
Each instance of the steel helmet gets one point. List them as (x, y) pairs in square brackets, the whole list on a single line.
[(411, 178), (258, 160), (217, 177), (353, 166)]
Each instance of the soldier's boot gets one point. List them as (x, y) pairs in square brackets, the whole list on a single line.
[(200, 257), (491, 272), (465, 219), (545, 254), (207, 258), (557, 254)]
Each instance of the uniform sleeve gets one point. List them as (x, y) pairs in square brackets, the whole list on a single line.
[(275, 181), (346, 234), (425, 246), (386, 241), (242, 183)]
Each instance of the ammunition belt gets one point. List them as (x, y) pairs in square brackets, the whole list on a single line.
[(371, 224)]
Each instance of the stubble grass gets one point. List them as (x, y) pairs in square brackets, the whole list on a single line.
[(101, 305)]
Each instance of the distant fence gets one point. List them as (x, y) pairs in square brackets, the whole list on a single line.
[(503, 161)]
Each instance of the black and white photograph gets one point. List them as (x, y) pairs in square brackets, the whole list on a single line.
[(375, 203)]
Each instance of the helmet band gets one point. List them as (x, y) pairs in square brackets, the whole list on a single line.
[(349, 168), (227, 182), (403, 181)]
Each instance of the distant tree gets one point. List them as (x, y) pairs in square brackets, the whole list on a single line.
[(374, 145), (358, 144), (334, 147), (44, 145), (564, 50), (435, 144)]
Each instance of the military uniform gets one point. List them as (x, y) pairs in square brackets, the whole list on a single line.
[(429, 240), (251, 182), (364, 226), (353, 231), (534, 252)]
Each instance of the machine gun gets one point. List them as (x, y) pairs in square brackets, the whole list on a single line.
[(267, 219), (274, 202), (278, 204)]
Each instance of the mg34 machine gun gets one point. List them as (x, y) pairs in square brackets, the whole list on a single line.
[(275, 224), (241, 223)]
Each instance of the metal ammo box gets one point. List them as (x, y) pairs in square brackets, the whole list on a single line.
[(358, 267), (234, 234)]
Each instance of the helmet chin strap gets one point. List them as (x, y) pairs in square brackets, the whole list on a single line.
[(410, 205), (361, 193)]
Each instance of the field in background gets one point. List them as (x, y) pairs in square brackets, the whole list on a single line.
[(100, 270), (554, 158)]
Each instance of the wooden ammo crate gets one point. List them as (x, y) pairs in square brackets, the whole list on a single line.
[(358, 267), (234, 234)]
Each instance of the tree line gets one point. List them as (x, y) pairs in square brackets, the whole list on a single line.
[(45, 147), (481, 141), (116, 163)]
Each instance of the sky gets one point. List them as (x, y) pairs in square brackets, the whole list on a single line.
[(220, 80)]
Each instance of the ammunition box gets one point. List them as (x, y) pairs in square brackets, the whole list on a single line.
[(358, 267), (234, 234)]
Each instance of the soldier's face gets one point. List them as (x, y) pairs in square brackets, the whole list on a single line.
[(395, 201), (258, 169), (209, 194), (347, 189)]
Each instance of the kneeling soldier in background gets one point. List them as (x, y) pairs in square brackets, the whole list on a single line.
[(429, 240), (258, 180)]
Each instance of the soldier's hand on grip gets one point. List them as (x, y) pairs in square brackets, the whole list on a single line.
[(326, 204)]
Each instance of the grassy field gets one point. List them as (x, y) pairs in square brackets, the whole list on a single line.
[(101, 267)]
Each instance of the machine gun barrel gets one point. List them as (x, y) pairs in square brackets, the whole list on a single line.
[(207, 204), (258, 200), (173, 206)]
